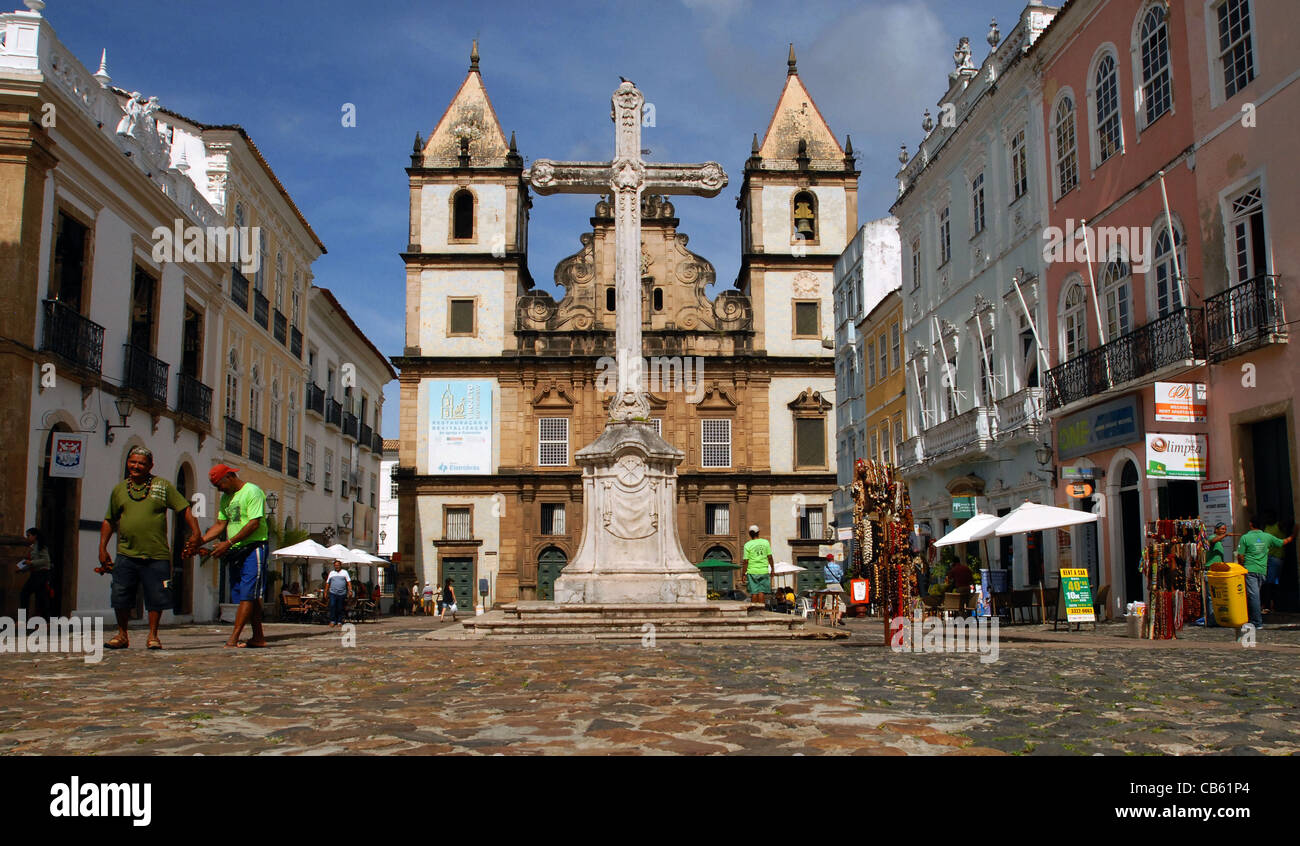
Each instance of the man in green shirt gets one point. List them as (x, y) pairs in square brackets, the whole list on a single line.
[(758, 566), (1252, 553), (241, 516), (137, 511)]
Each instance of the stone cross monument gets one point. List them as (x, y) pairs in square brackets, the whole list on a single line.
[(630, 550)]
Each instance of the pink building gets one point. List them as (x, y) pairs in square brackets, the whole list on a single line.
[(1245, 110), (1127, 313)]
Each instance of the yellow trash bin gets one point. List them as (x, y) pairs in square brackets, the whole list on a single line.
[(1228, 593)]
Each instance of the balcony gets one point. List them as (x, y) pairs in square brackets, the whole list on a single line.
[(376, 443), (234, 436), (912, 453), (239, 288), (72, 337), (315, 399), (1021, 415), (193, 398), (1244, 318), (145, 375), (261, 309), (333, 411), (295, 343), (367, 436), (350, 425), (256, 446), (973, 431), (1173, 341), (281, 324), (291, 463), (275, 455)]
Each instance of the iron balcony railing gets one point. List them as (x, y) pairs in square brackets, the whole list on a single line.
[(333, 411), (367, 436), (145, 374), (193, 398), (261, 309), (239, 288), (1245, 317), (281, 324), (274, 455), (291, 463), (72, 337), (234, 436), (315, 399), (295, 342), (256, 446), (1177, 337), (376, 443), (350, 425)]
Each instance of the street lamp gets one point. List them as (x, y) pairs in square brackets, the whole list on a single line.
[(272, 500), (1044, 454), (124, 407), (382, 535)]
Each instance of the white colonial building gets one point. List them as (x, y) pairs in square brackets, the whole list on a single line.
[(971, 208)]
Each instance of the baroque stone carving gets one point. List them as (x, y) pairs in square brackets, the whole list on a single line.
[(805, 284)]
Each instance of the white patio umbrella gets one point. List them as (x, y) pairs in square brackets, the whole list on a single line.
[(367, 560), (976, 528), (785, 568), (304, 549), (1032, 517)]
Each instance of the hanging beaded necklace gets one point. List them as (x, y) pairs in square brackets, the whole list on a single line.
[(132, 487)]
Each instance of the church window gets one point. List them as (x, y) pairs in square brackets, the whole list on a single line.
[(462, 215), (810, 442), (460, 317), (717, 519), (807, 319), (658, 299), (552, 518), (715, 443), (553, 442), (610, 299), (804, 217)]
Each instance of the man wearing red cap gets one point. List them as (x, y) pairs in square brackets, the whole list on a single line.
[(241, 516)]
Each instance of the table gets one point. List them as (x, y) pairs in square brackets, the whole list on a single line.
[(826, 603)]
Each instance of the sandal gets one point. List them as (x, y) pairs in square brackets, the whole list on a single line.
[(118, 642), (153, 643)]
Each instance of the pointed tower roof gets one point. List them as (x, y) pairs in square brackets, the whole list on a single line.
[(471, 116), (798, 118)]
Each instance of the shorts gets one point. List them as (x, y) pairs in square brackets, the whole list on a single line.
[(449, 606), (247, 572), (756, 583), (130, 573)]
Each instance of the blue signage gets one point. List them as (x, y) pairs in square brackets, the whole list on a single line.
[(1111, 424)]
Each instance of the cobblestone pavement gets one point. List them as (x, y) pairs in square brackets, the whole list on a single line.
[(394, 693)]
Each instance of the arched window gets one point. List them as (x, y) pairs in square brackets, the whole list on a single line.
[(1157, 88), (1117, 295), (658, 299), (1074, 321), (273, 428), (462, 210), (1067, 161), (804, 216), (1110, 135), (279, 281), (232, 386), (254, 398), (1169, 292)]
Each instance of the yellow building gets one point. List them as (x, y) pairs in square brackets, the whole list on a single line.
[(884, 379)]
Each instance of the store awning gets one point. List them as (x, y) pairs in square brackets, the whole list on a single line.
[(976, 528)]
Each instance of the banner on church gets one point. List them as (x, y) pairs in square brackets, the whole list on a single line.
[(460, 427)]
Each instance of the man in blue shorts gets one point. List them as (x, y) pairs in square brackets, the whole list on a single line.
[(241, 516)]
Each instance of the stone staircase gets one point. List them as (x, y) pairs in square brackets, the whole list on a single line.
[(553, 622)]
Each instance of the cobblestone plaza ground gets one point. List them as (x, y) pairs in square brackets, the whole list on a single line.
[(395, 693)]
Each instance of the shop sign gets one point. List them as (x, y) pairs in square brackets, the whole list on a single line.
[(845, 533), (1079, 490), (1181, 402), (1110, 424), (963, 507), (1176, 456), (67, 455), (1216, 503), (1070, 472), (1077, 593)]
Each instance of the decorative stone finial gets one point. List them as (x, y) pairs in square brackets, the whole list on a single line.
[(902, 154), (418, 145), (34, 5), (754, 147), (102, 73), (995, 35), (417, 151), (183, 163), (848, 146), (791, 70), (512, 157), (927, 122), (473, 57)]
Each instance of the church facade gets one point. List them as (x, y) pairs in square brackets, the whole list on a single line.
[(501, 383)]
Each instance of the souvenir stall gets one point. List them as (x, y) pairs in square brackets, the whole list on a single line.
[(1173, 563), (882, 552)]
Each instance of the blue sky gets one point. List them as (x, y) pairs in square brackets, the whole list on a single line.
[(713, 69)]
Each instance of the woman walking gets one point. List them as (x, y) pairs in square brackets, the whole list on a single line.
[(37, 563), (448, 601)]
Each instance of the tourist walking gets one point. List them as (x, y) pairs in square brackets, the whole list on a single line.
[(137, 512), (37, 566), (242, 516), (1252, 553), (759, 567), (448, 601), (338, 586)]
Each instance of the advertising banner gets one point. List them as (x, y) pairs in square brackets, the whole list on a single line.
[(1077, 593), (1216, 503), (1110, 424), (460, 427), (1181, 402), (1176, 456)]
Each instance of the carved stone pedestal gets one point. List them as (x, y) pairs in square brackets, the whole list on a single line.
[(630, 551)]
